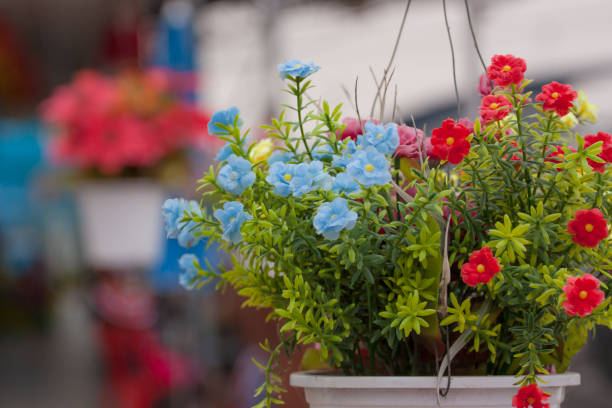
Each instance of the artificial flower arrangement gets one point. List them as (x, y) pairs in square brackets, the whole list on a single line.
[(382, 245), (130, 124)]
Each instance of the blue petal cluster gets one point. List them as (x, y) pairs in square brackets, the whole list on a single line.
[(331, 218), (369, 167), (224, 152), (189, 278), (322, 151), (173, 211), (280, 156), (344, 183), (308, 177), (231, 218), (297, 68), (384, 139), (280, 176), (236, 175), (223, 117)]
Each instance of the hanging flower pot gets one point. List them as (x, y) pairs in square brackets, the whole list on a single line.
[(120, 223), (327, 389)]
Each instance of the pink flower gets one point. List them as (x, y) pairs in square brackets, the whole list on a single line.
[(412, 142), (484, 85)]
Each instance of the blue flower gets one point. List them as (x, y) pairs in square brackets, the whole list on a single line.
[(331, 218), (369, 167), (224, 152), (280, 156), (322, 151), (352, 147), (280, 176), (384, 139), (308, 177), (297, 68), (343, 183), (231, 218), (236, 175), (174, 210), (341, 161), (223, 117), (189, 278)]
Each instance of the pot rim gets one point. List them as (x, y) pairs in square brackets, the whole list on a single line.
[(329, 379)]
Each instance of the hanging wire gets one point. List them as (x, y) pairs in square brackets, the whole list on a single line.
[(450, 41), (469, 17)]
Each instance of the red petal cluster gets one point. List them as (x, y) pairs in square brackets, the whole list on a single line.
[(450, 141), (557, 97), (481, 268), (506, 69), (132, 120), (588, 227), (582, 294), (530, 396), (606, 149), (494, 107)]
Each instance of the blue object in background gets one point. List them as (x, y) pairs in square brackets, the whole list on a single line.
[(175, 46), (20, 156), (164, 277)]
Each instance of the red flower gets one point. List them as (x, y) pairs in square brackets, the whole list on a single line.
[(606, 149), (450, 141), (506, 69), (582, 294), (494, 107), (557, 97), (530, 396), (481, 268), (588, 227), (558, 156)]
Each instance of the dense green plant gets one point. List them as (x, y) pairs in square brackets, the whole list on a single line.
[(387, 294)]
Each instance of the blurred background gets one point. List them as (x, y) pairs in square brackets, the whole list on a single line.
[(78, 331)]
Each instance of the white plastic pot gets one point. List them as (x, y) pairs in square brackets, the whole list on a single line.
[(326, 390), (121, 223)]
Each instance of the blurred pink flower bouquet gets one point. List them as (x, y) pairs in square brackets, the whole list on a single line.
[(124, 124)]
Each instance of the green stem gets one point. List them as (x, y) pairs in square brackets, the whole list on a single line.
[(298, 94)]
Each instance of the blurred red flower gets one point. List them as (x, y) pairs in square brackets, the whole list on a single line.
[(494, 107), (530, 396)]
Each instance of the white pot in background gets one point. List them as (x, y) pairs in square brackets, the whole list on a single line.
[(121, 223), (335, 391)]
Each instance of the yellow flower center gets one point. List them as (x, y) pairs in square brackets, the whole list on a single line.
[(450, 140), (506, 68), (233, 175), (494, 105), (588, 227), (555, 95), (378, 136), (530, 400), (369, 167), (583, 294), (232, 219), (480, 268), (287, 177), (298, 65), (359, 147), (331, 217)]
